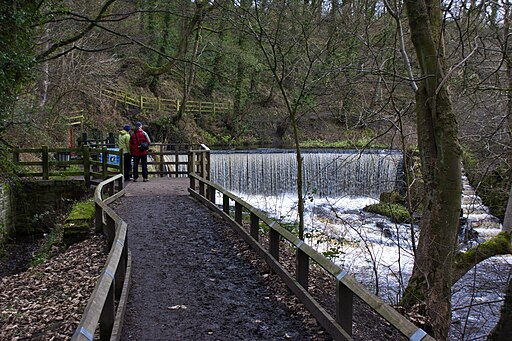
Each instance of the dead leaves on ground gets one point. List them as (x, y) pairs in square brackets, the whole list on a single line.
[(47, 301)]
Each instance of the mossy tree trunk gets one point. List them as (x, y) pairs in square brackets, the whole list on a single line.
[(503, 330), (507, 56), (431, 280)]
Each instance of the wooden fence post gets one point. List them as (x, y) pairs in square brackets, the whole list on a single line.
[(202, 188), (121, 269), (225, 203), (87, 164), (211, 194), (238, 213), (119, 184), (192, 183), (108, 314), (190, 164), (207, 167), (104, 156), (203, 165), (177, 160), (274, 237), (302, 268), (98, 218), (344, 304), (255, 226), (161, 163), (110, 188), (110, 230), (16, 155), (121, 161), (46, 166)]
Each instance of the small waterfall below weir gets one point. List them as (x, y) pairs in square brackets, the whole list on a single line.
[(327, 173)]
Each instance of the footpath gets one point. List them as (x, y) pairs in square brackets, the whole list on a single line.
[(190, 280)]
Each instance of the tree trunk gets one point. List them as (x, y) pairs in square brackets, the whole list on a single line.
[(507, 220), (503, 330), (431, 280)]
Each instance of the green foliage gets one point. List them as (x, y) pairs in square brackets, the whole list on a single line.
[(49, 247), (491, 185), (82, 210), (17, 54), (397, 213), (65, 174), (292, 227), (8, 169), (363, 142)]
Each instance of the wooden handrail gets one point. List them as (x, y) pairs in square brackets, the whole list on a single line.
[(340, 327), (158, 104), (96, 164), (113, 285), (46, 164)]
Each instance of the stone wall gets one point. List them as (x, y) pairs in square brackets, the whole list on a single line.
[(6, 211), (38, 203)]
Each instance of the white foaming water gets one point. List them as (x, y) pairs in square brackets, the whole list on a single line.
[(374, 250), (326, 173)]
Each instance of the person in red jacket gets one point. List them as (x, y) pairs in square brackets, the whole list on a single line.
[(139, 145)]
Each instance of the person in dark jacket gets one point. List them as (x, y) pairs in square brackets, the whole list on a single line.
[(139, 154)]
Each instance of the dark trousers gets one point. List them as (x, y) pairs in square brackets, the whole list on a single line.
[(144, 161), (127, 166)]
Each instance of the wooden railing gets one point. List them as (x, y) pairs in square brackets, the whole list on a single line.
[(48, 162), (170, 159), (107, 304), (340, 326), (173, 160), (157, 104), (199, 161)]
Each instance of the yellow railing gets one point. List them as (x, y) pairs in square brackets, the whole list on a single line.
[(165, 105)]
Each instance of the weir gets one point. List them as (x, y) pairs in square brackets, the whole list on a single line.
[(327, 173)]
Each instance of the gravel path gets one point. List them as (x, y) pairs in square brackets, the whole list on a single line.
[(188, 281)]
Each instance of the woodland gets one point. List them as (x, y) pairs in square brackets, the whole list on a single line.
[(430, 78)]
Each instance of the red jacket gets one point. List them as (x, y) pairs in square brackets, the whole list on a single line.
[(137, 138)]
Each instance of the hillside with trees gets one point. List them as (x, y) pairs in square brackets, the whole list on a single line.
[(431, 78)]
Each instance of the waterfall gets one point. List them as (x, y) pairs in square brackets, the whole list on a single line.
[(327, 173)]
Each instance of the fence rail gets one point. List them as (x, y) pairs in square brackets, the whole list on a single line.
[(165, 105), (107, 305), (340, 326), (93, 163)]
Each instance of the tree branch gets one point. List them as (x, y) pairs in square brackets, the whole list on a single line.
[(497, 245), (78, 36)]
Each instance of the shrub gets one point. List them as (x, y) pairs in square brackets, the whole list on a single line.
[(397, 213)]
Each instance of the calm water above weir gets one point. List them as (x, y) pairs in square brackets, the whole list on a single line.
[(327, 173)]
